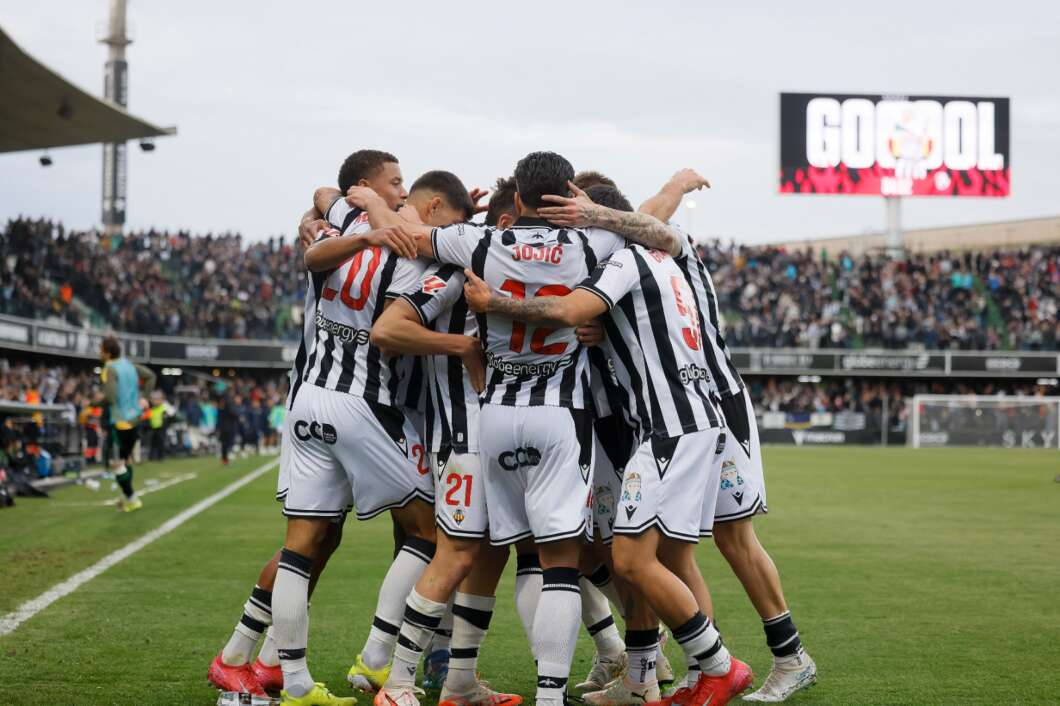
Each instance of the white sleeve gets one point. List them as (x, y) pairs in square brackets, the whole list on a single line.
[(406, 277), (604, 243), (613, 278), (337, 211), (454, 244)]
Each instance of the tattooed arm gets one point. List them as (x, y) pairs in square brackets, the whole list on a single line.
[(569, 310), (579, 211)]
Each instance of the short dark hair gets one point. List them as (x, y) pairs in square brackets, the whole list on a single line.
[(362, 164), (583, 180), (609, 197), (502, 200), (449, 186), (111, 347), (540, 173)]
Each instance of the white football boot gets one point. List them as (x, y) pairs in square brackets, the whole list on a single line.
[(604, 671), (620, 693), (789, 674)]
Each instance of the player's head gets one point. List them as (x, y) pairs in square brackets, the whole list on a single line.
[(377, 170), (501, 212), (583, 180), (538, 174), (440, 198), (109, 349), (609, 197)]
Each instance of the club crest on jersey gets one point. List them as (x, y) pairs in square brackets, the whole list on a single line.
[(432, 284), (547, 254), (362, 217), (631, 488)]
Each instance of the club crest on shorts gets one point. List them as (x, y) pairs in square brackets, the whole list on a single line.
[(730, 477), (605, 502), (458, 516), (631, 493)]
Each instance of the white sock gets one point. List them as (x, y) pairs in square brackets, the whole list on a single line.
[(597, 619), (256, 618), (642, 646), (702, 643), (290, 615), (527, 591), (471, 620), (398, 583), (422, 616), (556, 631), (267, 655), (444, 634)]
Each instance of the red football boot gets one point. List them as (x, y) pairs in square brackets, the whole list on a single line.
[(270, 678), (712, 691), (239, 678)]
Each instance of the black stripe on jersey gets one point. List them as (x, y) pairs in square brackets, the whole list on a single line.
[(537, 391), (372, 360), (496, 377), (455, 374), (350, 218), (711, 307), (625, 356), (570, 373), (657, 320), (349, 368), (326, 360), (303, 361), (414, 389), (590, 255), (478, 266), (511, 390)]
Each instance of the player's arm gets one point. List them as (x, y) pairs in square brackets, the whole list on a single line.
[(579, 211), (569, 310), (664, 204), (110, 388), (399, 330), (147, 379), (329, 253), (310, 226)]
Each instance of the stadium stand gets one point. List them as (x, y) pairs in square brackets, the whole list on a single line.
[(218, 286)]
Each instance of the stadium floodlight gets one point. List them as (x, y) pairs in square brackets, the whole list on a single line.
[(45, 160), (1010, 421)]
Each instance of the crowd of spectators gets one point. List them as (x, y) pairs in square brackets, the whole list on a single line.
[(220, 286), (152, 282), (773, 297)]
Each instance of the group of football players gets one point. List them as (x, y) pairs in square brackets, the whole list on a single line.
[(552, 378)]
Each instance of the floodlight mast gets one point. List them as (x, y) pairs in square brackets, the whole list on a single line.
[(115, 88)]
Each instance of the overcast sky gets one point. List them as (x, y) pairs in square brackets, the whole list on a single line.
[(269, 97)]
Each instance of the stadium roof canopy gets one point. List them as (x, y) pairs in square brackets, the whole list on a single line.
[(42, 109)]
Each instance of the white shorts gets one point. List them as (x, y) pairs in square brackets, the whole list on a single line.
[(667, 485), (460, 495), (283, 479), (538, 467), (347, 450), (615, 443), (742, 483)]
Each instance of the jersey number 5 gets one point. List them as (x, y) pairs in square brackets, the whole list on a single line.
[(537, 341)]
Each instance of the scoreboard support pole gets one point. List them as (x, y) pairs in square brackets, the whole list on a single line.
[(894, 224)]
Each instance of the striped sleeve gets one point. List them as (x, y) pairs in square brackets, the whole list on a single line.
[(437, 290), (613, 278)]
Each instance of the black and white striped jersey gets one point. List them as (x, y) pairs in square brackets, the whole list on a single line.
[(349, 299), (301, 358), (724, 378), (654, 339), (529, 365), (451, 409), (608, 396)]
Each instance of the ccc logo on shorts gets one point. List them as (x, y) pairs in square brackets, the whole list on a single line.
[(315, 430), (520, 458)]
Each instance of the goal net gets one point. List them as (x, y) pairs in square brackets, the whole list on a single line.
[(975, 420)]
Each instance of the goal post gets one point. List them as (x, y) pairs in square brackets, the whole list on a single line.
[(1010, 421)]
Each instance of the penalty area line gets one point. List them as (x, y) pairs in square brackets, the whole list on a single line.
[(10, 622)]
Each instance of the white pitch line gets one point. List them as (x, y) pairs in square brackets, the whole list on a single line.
[(169, 482), (10, 622)]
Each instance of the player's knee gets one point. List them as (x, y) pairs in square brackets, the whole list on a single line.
[(734, 539), (629, 564)]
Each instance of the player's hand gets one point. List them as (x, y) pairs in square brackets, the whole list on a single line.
[(476, 292), (410, 214), (573, 211), (309, 230), (400, 242), (590, 334), (689, 180), (477, 195), (475, 363), (363, 197)]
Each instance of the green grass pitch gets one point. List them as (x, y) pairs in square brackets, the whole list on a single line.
[(915, 577)]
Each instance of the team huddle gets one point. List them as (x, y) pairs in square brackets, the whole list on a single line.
[(554, 379)]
